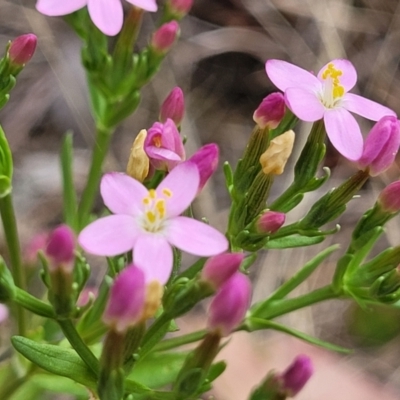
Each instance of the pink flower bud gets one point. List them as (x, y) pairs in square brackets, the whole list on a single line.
[(180, 7), (60, 247), (389, 198), (127, 297), (22, 49), (206, 159), (229, 305), (271, 111), (381, 145), (173, 106), (218, 269), (297, 375), (164, 147), (4, 313), (37, 243), (164, 37), (270, 222)]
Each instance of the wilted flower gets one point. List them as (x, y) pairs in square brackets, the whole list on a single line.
[(138, 163)]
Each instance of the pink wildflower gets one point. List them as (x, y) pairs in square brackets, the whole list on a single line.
[(148, 221), (107, 15), (326, 97)]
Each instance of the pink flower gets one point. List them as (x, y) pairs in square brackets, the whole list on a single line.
[(164, 147), (326, 96), (148, 222), (381, 146), (173, 106), (230, 304), (107, 15)]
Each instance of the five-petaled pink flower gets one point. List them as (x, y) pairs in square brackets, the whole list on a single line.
[(107, 15), (326, 96), (149, 222)]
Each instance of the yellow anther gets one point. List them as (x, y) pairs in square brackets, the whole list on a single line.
[(338, 91), (157, 141), (160, 206), (152, 194), (146, 201), (151, 216), (334, 74), (167, 192)]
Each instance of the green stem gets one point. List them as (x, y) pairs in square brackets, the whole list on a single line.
[(280, 307), (11, 233), (31, 303), (78, 344), (169, 344), (100, 150)]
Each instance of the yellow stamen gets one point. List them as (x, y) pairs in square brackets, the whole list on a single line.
[(151, 216), (167, 192), (334, 74), (152, 194)]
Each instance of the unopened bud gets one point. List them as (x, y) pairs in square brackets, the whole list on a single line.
[(22, 49), (138, 163), (270, 112), (179, 8), (229, 305), (274, 159), (270, 222), (218, 269), (389, 198), (297, 375), (381, 146), (60, 248), (173, 106), (4, 313), (164, 37)]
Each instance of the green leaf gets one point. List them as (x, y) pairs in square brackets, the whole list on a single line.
[(59, 384), (54, 359), (158, 369), (294, 241), (255, 324)]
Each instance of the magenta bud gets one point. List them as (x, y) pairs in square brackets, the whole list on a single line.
[(22, 49), (270, 222), (218, 269), (270, 112), (297, 375), (173, 106), (163, 145), (180, 7), (381, 146), (164, 37), (206, 159), (229, 305), (126, 301), (60, 247), (389, 198)]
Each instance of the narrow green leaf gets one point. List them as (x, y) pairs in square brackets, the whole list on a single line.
[(294, 241)]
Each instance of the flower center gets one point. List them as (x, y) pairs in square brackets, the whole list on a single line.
[(155, 210), (333, 91), (157, 140)]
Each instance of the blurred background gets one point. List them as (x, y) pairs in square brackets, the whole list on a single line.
[(219, 63)]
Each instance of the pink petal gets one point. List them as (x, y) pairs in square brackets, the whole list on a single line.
[(162, 154), (148, 5), (109, 236), (153, 255), (365, 107), (349, 77), (344, 133), (107, 15), (285, 75), (304, 104), (195, 237), (54, 8), (183, 182), (122, 194)]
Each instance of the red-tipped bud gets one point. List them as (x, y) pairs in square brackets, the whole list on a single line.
[(180, 7), (60, 248), (270, 222), (218, 269), (297, 375), (127, 298), (206, 159), (22, 49), (164, 37), (270, 112), (229, 305), (381, 145), (163, 145), (389, 198), (173, 106)]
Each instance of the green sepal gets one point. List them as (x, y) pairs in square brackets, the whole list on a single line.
[(288, 122), (111, 385), (294, 241), (189, 383), (214, 372), (228, 173), (340, 272), (55, 359), (193, 270), (254, 324), (7, 286)]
